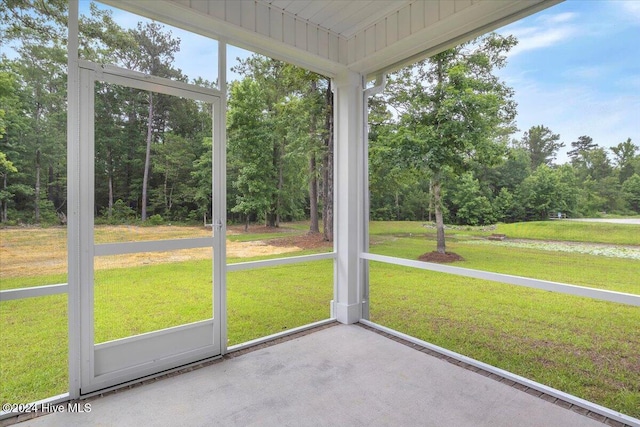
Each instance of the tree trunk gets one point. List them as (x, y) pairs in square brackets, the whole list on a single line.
[(430, 201), (37, 188), (51, 193), (271, 214), (437, 201), (165, 191), (313, 194), (147, 159), (436, 185), (280, 182), (110, 183), (313, 169), (4, 202), (327, 179)]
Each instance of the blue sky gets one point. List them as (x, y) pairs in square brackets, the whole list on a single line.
[(576, 69)]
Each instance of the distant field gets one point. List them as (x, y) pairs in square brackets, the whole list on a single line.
[(596, 232), (619, 234), (584, 347)]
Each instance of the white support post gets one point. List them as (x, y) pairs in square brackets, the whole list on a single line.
[(381, 81), (220, 202), (349, 199), (73, 201)]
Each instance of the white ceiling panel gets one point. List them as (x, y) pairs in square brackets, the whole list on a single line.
[(331, 36), (343, 17)]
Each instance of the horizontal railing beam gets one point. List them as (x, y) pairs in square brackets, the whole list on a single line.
[(105, 249), (582, 291), (279, 261), (37, 291)]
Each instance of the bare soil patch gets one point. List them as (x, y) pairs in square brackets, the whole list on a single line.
[(446, 258), (303, 241), (28, 252)]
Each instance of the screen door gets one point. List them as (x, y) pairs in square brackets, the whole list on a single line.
[(150, 295)]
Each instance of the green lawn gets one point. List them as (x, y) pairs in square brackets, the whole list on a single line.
[(596, 232), (616, 274), (584, 347), (620, 234), (33, 338)]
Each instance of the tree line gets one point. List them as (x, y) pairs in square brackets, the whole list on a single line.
[(440, 138), (441, 145), (153, 152), (523, 184)]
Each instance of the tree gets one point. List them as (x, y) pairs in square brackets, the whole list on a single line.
[(542, 145), (470, 205), (294, 107), (12, 120), (40, 70), (548, 191), (597, 163), (155, 55), (506, 207), (248, 132), (625, 152), (452, 110), (327, 169), (631, 192), (583, 145), (6, 167), (513, 170)]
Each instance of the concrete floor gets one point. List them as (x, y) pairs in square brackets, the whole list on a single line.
[(341, 375)]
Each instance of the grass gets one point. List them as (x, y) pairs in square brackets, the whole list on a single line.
[(584, 347), (594, 232), (33, 338), (581, 346), (616, 274), (33, 349)]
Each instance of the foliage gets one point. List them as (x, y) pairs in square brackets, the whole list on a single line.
[(583, 145), (438, 121), (469, 204), (625, 153), (547, 191), (452, 111), (280, 179), (542, 145), (247, 132), (631, 192), (153, 151)]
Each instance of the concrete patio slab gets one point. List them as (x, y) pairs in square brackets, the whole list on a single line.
[(341, 375)]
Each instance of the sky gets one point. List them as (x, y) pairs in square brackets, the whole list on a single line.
[(575, 70)]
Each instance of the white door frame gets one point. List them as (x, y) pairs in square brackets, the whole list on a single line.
[(108, 364)]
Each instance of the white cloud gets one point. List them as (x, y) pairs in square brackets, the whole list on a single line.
[(580, 75), (548, 30), (587, 72), (558, 18), (541, 38), (630, 82), (631, 8)]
